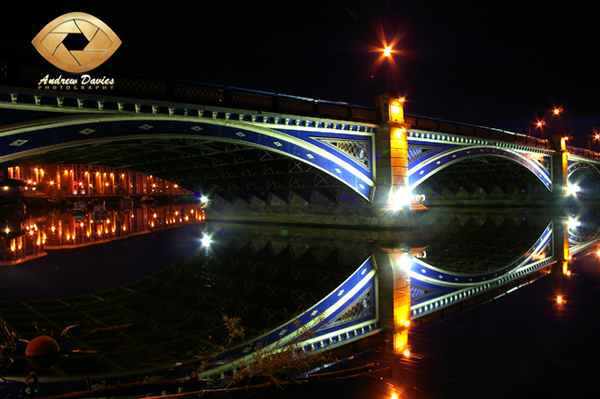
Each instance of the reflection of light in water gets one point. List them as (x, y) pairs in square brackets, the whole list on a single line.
[(573, 223)]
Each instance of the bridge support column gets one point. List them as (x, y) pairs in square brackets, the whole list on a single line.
[(394, 297), (559, 167), (392, 189)]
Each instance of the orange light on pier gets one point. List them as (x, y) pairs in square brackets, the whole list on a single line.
[(397, 110), (387, 51), (559, 299)]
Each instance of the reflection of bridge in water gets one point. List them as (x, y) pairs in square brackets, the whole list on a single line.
[(265, 275)]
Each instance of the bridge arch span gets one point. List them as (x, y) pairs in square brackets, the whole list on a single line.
[(427, 167), (344, 156)]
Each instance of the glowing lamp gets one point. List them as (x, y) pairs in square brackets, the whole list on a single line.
[(397, 110), (387, 51), (405, 263), (205, 241), (399, 133), (572, 189), (400, 198)]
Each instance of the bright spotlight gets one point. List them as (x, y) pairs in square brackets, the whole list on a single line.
[(205, 241), (204, 199), (573, 189), (404, 262), (401, 198)]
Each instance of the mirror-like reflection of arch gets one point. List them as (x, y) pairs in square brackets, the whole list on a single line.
[(471, 253)]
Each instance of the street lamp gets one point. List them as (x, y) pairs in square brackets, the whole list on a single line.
[(387, 53), (539, 125)]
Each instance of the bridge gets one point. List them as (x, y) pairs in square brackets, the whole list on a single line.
[(268, 157), (267, 154)]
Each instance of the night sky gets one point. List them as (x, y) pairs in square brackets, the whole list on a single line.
[(497, 64)]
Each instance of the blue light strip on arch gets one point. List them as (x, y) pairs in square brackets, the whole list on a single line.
[(451, 288)]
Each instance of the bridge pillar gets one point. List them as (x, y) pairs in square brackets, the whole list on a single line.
[(393, 267), (559, 167), (392, 189)]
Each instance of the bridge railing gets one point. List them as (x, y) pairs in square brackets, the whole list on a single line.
[(163, 89), (582, 152), (444, 126)]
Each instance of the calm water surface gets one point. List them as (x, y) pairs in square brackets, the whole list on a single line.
[(168, 294)]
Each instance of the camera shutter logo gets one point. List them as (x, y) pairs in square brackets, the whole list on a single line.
[(102, 42)]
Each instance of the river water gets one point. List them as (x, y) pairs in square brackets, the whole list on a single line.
[(151, 301)]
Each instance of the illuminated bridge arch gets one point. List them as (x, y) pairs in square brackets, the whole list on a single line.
[(104, 134), (426, 160)]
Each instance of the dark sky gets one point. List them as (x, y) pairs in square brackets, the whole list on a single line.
[(498, 64)]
